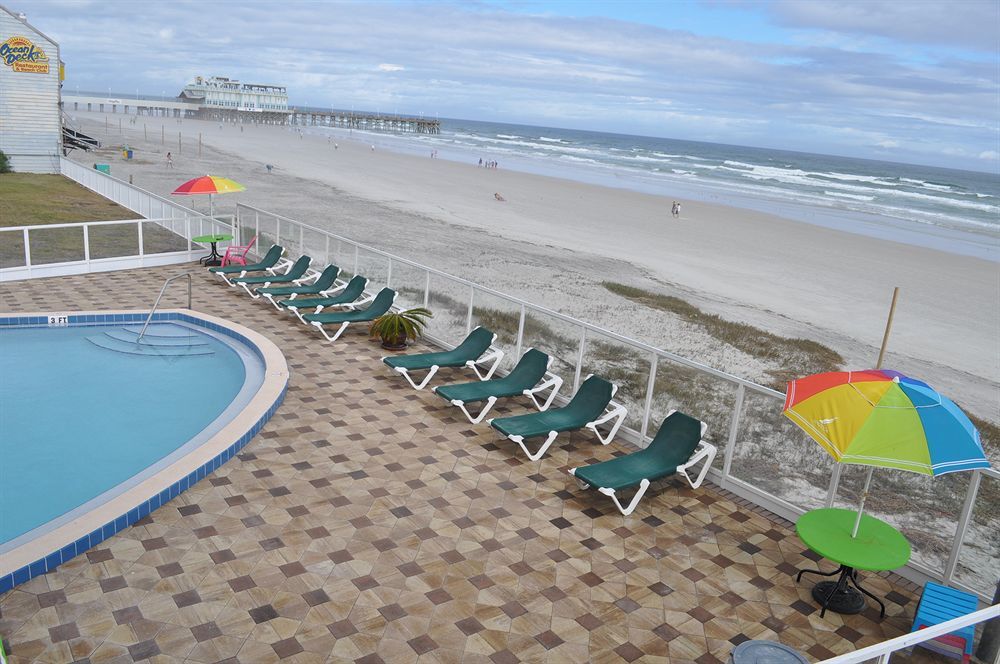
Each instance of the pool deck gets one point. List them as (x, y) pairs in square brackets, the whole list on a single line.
[(369, 522)]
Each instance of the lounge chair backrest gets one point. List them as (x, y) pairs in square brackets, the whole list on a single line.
[(326, 279), (677, 439), (530, 369), (355, 288), (273, 255), (477, 343), (299, 267), (382, 302), (592, 398)]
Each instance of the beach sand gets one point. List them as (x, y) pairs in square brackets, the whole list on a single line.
[(554, 241)]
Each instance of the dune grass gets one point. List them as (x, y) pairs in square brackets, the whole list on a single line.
[(795, 357)]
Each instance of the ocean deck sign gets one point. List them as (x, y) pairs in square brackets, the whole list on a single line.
[(20, 54)]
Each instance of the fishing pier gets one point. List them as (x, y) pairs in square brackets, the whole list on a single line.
[(363, 121)]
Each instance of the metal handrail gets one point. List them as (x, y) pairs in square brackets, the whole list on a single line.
[(882, 651), (160, 296)]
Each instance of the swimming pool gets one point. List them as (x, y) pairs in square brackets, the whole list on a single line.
[(89, 417)]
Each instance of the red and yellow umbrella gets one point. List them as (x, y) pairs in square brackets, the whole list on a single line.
[(208, 184)]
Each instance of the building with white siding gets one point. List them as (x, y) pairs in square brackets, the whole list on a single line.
[(223, 98), (30, 77)]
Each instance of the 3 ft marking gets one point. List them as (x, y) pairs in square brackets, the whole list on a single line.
[(58, 320)]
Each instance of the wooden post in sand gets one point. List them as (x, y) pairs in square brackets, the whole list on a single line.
[(199, 143), (163, 136), (145, 136), (179, 146)]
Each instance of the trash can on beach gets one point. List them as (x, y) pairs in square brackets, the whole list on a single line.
[(104, 168)]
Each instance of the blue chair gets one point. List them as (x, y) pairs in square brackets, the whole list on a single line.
[(940, 604)]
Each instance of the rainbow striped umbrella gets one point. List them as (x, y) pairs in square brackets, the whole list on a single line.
[(208, 184), (882, 418)]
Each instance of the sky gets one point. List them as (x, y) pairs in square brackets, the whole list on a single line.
[(914, 81)]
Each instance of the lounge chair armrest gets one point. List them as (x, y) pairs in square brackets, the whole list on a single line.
[(551, 381), (283, 266), (336, 287), (616, 412), (704, 451), (492, 354), (310, 277), (365, 299)]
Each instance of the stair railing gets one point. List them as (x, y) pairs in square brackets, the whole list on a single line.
[(160, 296)]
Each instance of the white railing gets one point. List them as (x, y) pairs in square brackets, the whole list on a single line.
[(50, 250), (127, 195), (882, 651), (764, 458)]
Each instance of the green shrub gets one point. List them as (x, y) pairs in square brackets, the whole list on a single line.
[(4, 163)]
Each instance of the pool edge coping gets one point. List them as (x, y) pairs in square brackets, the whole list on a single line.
[(48, 551)]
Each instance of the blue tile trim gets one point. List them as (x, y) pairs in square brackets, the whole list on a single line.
[(143, 509)]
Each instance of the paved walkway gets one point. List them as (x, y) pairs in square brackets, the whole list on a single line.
[(369, 522)]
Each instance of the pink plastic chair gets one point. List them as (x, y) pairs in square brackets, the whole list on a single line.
[(237, 255)]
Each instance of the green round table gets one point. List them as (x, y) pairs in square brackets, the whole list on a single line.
[(213, 258), (877, 547)]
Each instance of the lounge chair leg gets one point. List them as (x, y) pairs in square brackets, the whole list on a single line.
[(706, 452), (252, 294), (298, 314), (270, 298), (541, 450), (340, 330), (643, 485), (423, 383), (619, 420), (478, 418), (580, 483), (497, 356)]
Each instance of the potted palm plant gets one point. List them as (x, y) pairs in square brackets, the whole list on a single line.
[(396, 327)]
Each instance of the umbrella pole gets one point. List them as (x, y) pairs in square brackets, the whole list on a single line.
[(211, 213), (888, 328), (864, 497)]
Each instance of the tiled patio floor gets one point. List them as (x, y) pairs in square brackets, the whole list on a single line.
[(369, 523)]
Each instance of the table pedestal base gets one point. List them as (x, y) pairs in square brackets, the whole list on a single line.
[(845, 600), (838, 595)]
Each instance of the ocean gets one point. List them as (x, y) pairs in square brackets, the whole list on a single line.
[(950, 210)]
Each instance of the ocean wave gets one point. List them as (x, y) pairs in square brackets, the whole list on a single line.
[(551, 140), (856, 197), (509, 136)]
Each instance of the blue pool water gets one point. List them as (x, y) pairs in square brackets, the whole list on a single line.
[(84, 410)]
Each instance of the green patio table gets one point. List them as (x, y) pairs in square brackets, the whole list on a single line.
[(213, 258), (877, 547)]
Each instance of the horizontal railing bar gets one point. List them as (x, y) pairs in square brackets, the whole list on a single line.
[(913, 638), (80, 224), (537, 308)]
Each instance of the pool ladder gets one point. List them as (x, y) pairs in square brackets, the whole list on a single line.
[(160, 296)]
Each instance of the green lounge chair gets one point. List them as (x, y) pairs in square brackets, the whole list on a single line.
[(326, 282), (350, 296), (382, 303), (271, 263), (678, 445), (523, 379), (589, 408), (296, 275), (469, 353)]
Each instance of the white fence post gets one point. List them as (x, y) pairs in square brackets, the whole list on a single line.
[(963, 525), (520, 333), (650, 387), (468, 316), (138, 226), (734, 428), (27, 249), (579, 359), (86, 243)]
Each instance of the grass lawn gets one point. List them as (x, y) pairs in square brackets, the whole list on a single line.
[(30, 199)]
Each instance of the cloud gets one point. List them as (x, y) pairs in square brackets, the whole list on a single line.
[(989, 155), (483, 61), (968, 24)]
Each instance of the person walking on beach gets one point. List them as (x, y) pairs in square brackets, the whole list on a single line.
[(675, 210), (170, 161)]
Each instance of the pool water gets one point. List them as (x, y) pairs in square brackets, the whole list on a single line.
[(83, 410)]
